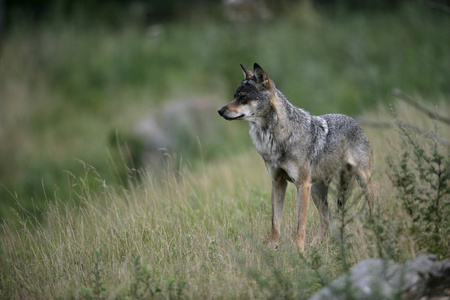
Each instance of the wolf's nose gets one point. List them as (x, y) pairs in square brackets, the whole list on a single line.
[(221, 111)]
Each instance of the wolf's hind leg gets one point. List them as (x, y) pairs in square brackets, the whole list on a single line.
[(345, 177), (319, 193), (365, 181)]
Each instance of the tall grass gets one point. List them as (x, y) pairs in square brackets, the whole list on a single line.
[(203, 233)]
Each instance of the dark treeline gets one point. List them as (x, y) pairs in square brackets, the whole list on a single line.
[(152, 11)]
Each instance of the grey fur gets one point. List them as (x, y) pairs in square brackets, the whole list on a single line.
[(300, 148)]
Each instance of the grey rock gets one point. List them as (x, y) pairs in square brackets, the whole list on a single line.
[(421, 278)]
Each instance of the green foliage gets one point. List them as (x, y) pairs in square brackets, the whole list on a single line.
[(144, 286), (66, 86), (141, 286), (421, 175), (285, 275), (385, 233), (97, 289)]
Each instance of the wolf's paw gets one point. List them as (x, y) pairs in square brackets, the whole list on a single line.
[(274, 243), (274, 246)]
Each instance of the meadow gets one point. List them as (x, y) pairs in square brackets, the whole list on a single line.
[(76, 224), (202, 234)]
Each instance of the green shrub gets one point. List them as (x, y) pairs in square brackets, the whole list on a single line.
[(421, 176)]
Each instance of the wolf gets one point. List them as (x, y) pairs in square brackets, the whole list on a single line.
[(300, 148)]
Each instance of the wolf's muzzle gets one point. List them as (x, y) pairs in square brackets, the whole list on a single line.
[(222, 113)]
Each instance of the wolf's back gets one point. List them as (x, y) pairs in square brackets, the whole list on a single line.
[(342, 127)]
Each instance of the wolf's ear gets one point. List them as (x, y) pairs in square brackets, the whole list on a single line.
[(247, 73), (261, 77)]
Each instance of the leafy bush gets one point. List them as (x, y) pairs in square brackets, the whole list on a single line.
[(421, 176)]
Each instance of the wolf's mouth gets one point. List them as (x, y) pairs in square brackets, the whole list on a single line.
[(235, 118)]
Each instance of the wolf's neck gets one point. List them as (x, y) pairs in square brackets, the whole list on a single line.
[(278, 124), (274, 121), (288, 116), (282, 107), (279, 113)]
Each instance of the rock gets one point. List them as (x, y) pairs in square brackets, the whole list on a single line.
[(421, 278), (179, 127)]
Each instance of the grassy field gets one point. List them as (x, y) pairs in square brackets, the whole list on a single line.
[(201, 234), (75, 226)]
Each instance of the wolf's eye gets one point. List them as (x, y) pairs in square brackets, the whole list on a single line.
[(243, 98)]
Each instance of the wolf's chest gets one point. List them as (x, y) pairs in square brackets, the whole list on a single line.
[(266, 143), (263, 142)]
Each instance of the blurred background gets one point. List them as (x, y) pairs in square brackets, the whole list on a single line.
[(98, 89)]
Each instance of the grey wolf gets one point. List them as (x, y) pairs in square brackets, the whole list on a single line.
[(300, 148)]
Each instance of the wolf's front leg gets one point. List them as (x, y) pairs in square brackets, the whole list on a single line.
[(303, 190), (278, 195)]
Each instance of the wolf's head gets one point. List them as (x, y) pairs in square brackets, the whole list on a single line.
[(252, 97)]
